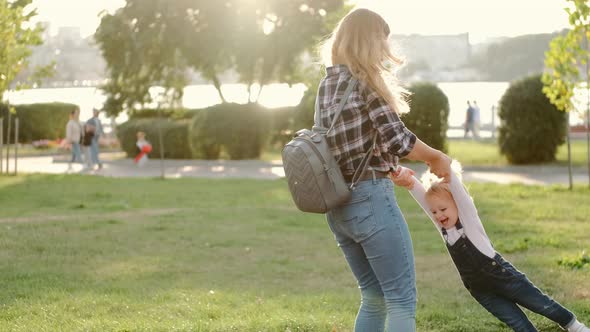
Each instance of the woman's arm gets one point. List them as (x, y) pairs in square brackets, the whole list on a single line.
[(439, 163)]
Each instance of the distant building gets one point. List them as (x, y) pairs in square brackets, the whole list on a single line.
[(442, 52), (69, 36)]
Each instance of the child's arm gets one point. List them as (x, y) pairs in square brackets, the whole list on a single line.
[(465, 206), (406, 179)]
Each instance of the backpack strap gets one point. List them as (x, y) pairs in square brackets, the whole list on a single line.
[(347, 92), (358, 173)]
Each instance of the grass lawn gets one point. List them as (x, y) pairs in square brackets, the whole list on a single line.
[(484, 153), (81, 253)]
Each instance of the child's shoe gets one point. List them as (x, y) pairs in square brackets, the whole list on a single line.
[(578, 327)]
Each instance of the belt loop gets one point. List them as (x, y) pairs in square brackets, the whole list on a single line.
[(374, 176)]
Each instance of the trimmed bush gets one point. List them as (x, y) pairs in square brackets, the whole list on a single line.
[(241, 130), (281, 125), (174, 136), (203, 135), (151, 113), (531, 127), (429, 114), (39, 121)]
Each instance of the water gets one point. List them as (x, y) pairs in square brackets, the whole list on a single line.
[(487, 95)]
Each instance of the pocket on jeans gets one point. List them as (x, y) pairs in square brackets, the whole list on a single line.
[(358, 218)]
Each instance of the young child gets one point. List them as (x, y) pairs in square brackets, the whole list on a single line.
[(494, 282), (144, 148)]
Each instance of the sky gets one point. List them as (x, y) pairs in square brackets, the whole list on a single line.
[(481, 18)]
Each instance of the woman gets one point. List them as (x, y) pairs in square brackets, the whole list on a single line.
[(74, 136), (370, 229)]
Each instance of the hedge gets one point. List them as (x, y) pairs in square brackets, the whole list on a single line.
[(174, 134), (531, 127), (241, 130), (38, 121), (429, 114)]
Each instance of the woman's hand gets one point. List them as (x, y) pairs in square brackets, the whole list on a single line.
[(403, 178), (440, 166)]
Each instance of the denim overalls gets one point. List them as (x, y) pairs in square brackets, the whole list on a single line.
[(499, 287)]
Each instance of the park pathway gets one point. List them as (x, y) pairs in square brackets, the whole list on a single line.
[(115, 165)]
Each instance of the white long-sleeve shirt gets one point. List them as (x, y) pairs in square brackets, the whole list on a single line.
[(73, 131), (472, 226)]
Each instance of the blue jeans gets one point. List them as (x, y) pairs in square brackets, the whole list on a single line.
[(94, 152), (374, 237), (76, 153)]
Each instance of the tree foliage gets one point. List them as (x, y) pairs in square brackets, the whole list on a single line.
[(532, 128), (150, 42), (16, 37), (566, 58), (140, 54), (568, 64)]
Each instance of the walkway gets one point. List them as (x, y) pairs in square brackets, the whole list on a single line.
[(115, 165)]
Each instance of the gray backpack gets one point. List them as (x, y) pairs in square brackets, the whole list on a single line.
[(315, 180)]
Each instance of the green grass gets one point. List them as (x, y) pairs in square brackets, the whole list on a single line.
[(484, 153), (487, 153), (98, 254)]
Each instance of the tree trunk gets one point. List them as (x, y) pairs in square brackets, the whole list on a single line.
[(161, 141), (588, 102), (588, 127), (8, 140), (217, 85), (569, 153), (259, 91), (249, 92)]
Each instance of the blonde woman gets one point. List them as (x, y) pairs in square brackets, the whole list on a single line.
[(370, 229)]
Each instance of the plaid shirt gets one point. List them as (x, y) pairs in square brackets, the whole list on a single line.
[(364, 112)]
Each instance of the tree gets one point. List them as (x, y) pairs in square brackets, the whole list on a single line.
[(271, 35), (140, 54), (568, 56), (261, 40), (16, 39)]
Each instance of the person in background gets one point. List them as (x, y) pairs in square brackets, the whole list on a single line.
[(144, 148), (87, 139), (74, 137), (476, 120), (468, 119), (98, 132)]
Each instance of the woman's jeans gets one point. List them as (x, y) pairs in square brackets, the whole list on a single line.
[(374, 237), (76, 153)]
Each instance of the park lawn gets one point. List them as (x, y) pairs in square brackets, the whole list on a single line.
[(83, 253), (483, 153)]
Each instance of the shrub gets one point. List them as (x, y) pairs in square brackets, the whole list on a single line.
[(429, 114), (39, 121), (203, 132), (281, 125), (241, 130), (531, 127), (174, 136), (151, 113)]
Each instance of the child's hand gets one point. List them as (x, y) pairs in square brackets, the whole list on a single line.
[(403, 178)]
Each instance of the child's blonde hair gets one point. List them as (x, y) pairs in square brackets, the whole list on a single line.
[(360, 41)]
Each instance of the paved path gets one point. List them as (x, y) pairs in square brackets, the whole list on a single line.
[(115, 165)]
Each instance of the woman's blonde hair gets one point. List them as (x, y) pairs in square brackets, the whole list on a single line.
[(360, 42)]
